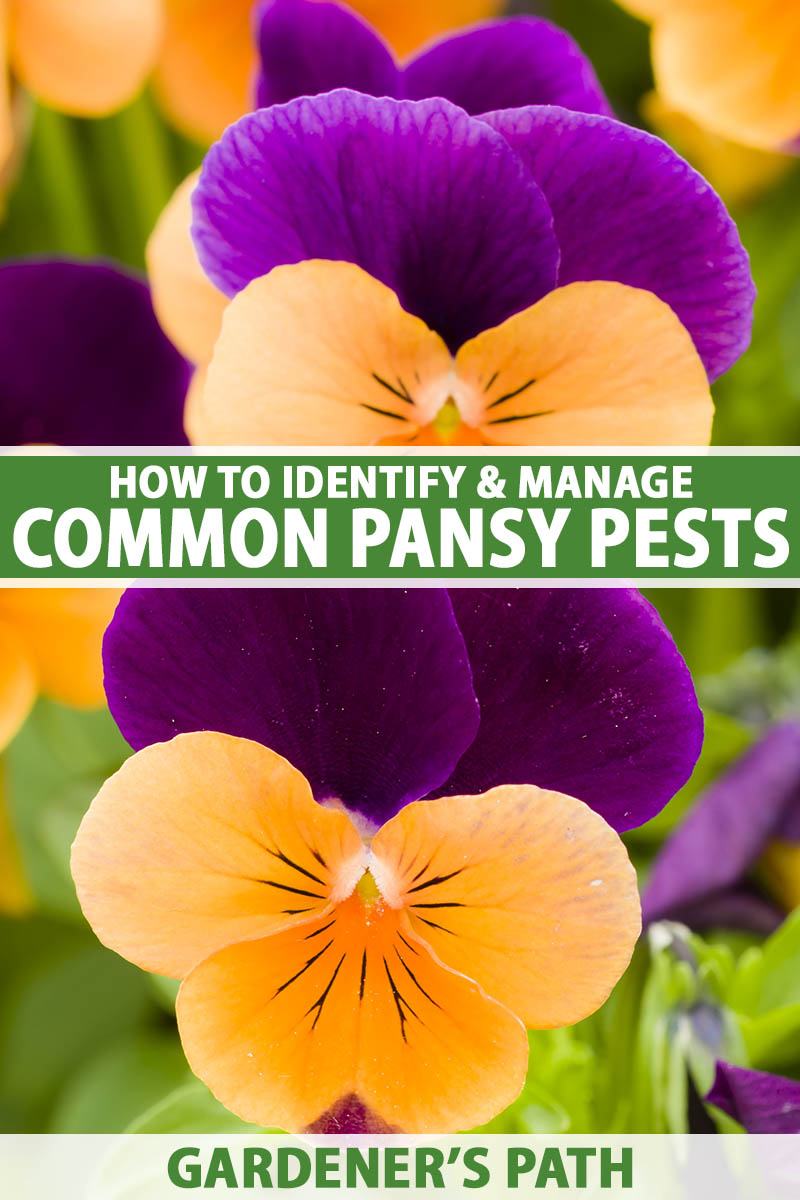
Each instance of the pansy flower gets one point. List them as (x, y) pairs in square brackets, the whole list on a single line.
[(83, 360), (735, 860), (759, 1101), (731, 65), (307, 47), (209, 62), (401, 272), (320, 965), (363, 915)]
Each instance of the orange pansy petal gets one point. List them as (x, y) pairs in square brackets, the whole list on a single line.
[(193, 421), (528, 891), (86, 56), (410, 24), (18, 682), (733, 67), (301, 356), (590, 364), (63, 630), (283, 1028), (201, 841), (207, 64), (188, 306)]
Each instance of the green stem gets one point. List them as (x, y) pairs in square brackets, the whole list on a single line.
[(147, 171), (59, 166)]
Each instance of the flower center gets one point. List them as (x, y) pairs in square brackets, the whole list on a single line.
[(368, 890), (447, 420)]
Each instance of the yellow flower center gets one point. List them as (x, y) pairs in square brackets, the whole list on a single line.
[(368, 890), (448, 420)]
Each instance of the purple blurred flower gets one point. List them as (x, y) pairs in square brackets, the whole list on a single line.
[(83, 360), (307, 47), (384, 697), (702, 875), (760, 1102)]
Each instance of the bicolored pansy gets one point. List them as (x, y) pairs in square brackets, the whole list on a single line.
[(209, 60), (394, 271), (319, 963), (383, 697), (759, 1101), (307, 47), (83, 360), (373, 832), (731, 65), (735, 860)]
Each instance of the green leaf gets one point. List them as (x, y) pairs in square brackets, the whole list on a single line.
[(760, 687), (113, 1087), (165, 991), (64, 998), (190, 1109), (54, 768), (772, 1041), (768, 977), (558, 1093), (765, 991)]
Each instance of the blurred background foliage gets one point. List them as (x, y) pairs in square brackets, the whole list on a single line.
[(88, 1042)]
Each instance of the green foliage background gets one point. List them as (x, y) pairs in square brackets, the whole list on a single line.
[(88, 1042)]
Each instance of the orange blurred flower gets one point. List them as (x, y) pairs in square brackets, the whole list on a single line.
[(90, 57), (208, 58), (731, 65), (50, 641)]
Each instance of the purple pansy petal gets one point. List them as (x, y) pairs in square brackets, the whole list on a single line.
[(83, 360), (312, 46), (760, 1102), (430, 201), (308, 47), (627, 208), (713, 849), (581, 690), (735, 909), (348, 1116), (508, 63), (368, 693)]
